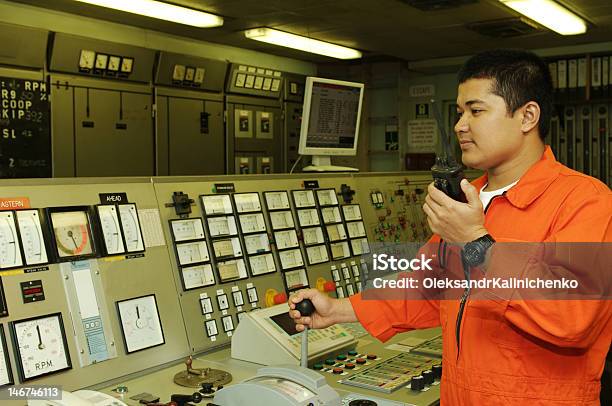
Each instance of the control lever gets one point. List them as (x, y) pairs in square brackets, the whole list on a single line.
[(182, 400), (306, 308)]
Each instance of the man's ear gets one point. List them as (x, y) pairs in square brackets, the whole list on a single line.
[(531, 116)]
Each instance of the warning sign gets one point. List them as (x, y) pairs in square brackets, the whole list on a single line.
[(422, 133)]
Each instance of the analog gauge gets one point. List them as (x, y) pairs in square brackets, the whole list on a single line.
[(197, 276), (6, 377), (87, 59), (303, 198), (308, 217), (178, 73), (217, 204), (192, 252), (285, 239), (109, 222), (313, 235), (276, 200), (114, 63), (101, 61), (10, 254), (41, 346), (327, 197), (224, 225), (32, 238), (331, 214), (251, 223), (71, 232), (258, 243), (351, 212), (281, 219), (131, 227), (127, 65), (187, 229), (247, 202), (140, 323)]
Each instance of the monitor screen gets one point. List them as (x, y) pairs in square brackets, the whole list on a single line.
[(284, 321), (331, 114)]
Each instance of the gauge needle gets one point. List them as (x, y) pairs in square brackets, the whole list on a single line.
[(41, 346), (71, 235), (137, 312)]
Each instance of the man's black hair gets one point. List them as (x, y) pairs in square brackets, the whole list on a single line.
[(519, 77)]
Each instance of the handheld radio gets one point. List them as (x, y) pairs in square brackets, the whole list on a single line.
[(446, 172)]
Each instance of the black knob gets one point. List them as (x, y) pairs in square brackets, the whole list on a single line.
[(416, 383), (362, 402), (305, 307), (196, 397), (428, 377), (207, 388), (437, 370)]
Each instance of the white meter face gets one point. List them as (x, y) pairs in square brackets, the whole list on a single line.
[(291, 258), (276, 200), (303, 198), (32, 238), (131, 227), (286, 239), (317, 254), (257, 243), (10, 254), (187, 229), (252, 223), (192, 252), (41, 346), (331, 214), (140, 323), (247, 202), (351, 212), (111, 231), (308, 217), (262, 264), (217, 204), (336, 232), (281, 219), (220, 226), (327, 197), (313, 235), (197, 276), (356, 229)]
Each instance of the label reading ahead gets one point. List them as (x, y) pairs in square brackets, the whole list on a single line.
[(113, 198)]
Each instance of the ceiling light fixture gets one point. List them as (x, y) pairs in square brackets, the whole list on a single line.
[(314, 46), (162, 11), (550, 14)]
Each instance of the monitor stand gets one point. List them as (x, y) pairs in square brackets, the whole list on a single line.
[(323, 164)]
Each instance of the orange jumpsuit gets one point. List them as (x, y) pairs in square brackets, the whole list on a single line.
[(520, 352)]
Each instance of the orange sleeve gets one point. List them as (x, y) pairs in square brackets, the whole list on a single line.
[(385, 318), (577, 248)]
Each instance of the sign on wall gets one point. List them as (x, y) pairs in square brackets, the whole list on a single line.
[(25, 136), (422, 133)]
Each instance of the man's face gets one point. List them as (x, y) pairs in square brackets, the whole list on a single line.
[(487, 134)]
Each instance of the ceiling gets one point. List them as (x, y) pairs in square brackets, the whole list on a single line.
[(382, 29)]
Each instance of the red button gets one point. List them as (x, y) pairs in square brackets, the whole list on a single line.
[(360, 361), (337, 370), (372, 356), (329, 286), (349, 366), (280, 298)]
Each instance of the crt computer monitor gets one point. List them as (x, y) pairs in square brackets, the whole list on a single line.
[(330, 121)]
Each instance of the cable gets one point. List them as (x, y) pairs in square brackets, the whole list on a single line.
[(295, 164)]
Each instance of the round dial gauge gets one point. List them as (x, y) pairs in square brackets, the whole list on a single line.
[(114, 63), (87, 58), (140, 323), (71, 231), (131, 227), (41, 346), (32, 237), (10, 255), (109, 222)]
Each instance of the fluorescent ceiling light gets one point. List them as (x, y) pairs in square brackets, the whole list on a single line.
[(162, 11), (314, 46), (550, 14)]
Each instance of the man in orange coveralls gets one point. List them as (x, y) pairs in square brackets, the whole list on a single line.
[(508, 352)]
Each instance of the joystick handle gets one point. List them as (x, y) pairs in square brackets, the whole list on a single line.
[(306, 308)]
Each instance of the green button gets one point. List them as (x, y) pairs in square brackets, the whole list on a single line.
[(330, 361), (318, 366), (341, 357), (352, 353)]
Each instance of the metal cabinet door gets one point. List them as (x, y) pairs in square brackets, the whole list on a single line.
[(196, 141), (113, 133)]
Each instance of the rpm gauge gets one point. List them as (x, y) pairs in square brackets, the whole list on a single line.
[(71, 231)]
